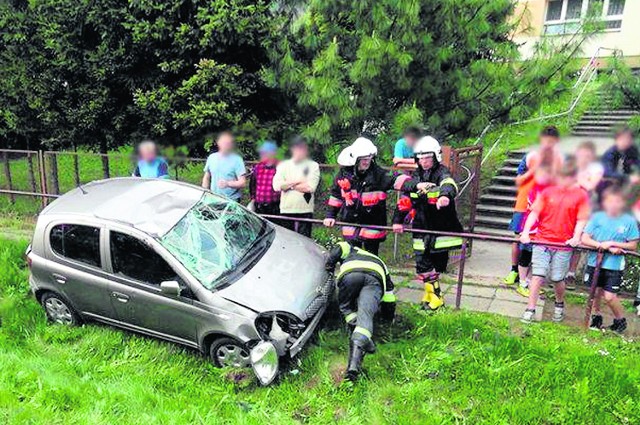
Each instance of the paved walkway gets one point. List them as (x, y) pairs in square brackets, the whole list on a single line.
[(487, 298)]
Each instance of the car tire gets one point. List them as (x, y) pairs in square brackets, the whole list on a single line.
[(229, 352), (59, 310)]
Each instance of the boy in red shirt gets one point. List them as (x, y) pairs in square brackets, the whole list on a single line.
[(561, 212)]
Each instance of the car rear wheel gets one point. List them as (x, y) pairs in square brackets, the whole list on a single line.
[(227, 352), (59, 310)]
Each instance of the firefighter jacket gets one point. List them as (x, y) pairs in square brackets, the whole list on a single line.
[(353, 259), (420, 208), (361, 198)]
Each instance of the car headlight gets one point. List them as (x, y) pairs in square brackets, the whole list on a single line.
[(264, 361)]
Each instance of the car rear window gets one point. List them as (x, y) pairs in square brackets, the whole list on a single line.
[(77, 242)]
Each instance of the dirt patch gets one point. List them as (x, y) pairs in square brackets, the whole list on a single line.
[(337, 372), (575, 316)]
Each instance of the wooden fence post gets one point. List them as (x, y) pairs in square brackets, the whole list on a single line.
[(105, 165), (32, 175), (55, 184), (43, 178), (7, 174)]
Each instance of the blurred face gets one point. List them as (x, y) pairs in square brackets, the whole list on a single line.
[(267, 156), (299, 152), (613, 204), (410, 140), (147, 152), (225, 143), (426, 162), (548, 142), (567, 181), (584, 157), (624, 141), (365, 162)]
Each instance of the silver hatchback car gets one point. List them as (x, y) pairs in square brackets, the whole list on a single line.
[(174, 261)]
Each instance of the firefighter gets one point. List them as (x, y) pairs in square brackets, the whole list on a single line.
[(431, 208), (364, 286), (359, 195)]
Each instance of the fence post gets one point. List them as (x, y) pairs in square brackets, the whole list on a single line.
[(43, 178), (55, 184), (7, 174), (463, 257), (105, 165), (32, 175), (593, 288), (76, 169)]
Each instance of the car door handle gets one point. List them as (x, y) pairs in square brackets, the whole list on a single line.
[(59, 278), (120, 297)]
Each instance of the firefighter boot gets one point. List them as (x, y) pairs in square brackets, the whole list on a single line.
[(432, 299), (356, 355)]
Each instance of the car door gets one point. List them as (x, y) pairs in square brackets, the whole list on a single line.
[(76, 267), (137, 272)]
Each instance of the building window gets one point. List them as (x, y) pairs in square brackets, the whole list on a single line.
[(564, 16)]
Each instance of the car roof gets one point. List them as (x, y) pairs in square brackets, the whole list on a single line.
[(153, 206)]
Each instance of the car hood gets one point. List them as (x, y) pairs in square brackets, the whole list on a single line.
[(287, 278)]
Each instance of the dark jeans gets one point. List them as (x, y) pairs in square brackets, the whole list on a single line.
[(301, 227), (272, 208)]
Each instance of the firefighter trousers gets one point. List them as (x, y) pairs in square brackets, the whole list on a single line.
[(360, 294)]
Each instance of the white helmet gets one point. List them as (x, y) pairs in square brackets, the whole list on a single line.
[(360, 148), (428, 145)]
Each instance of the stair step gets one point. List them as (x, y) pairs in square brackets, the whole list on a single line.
[(492, 231), (591, 133), (603, 120), (508, 171), (502, 189), (504, 180), (495, 211), (591, 127), (609, 114), (517, 154), (494, 222), (512, 162), (498, 200)]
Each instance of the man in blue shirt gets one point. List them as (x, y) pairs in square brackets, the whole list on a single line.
[(224, 172), (150, 165), (403, 150), (610, 230)]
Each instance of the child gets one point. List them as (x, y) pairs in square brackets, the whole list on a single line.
[(547, 154), (561, 212), (542, 180), (590, 174), (621, 162), (611, 230)]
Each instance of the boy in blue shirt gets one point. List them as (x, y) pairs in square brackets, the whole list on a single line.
[(610, 230), (403, 151)]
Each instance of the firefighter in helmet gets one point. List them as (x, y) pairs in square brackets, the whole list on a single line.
[(359, 195), (364, 287), (431, 208)]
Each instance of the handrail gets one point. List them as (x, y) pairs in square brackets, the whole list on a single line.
[(484, 237)]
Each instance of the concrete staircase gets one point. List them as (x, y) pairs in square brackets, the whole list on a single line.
[(496, 203), (602, 122)]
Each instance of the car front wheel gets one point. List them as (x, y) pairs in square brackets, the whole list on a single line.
[(59, 310), (227, 352)]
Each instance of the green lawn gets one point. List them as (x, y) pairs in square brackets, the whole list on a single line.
[(453, 367)]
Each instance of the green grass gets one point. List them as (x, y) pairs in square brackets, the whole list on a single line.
[(452, 367)]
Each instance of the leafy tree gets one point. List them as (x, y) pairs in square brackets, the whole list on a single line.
[(376, 65)]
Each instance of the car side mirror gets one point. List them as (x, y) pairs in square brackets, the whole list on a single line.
[(170, 287)]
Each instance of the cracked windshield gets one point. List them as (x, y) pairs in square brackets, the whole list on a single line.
[(213, 238)]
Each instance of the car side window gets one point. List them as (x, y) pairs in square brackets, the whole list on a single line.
[(134, 259), (77, 242)]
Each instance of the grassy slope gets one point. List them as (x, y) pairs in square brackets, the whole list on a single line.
[(448, 368)]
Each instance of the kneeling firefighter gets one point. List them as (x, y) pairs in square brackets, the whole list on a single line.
[(432, 208), (364, 286), (359, 195)]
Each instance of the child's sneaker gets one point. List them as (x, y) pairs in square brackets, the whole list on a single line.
[(619, 325), (522, 290), (558, 312), (527, 316), (512, 278), (596, 322)]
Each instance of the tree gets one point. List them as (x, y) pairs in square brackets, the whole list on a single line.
[(623, 86), (112, 72), (376, 65)]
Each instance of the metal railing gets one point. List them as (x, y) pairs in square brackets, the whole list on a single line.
[(487, 237)]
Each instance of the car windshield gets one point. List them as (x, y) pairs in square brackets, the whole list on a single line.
[(214, 238)]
